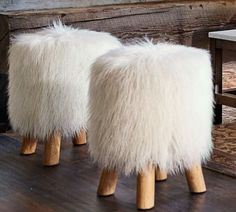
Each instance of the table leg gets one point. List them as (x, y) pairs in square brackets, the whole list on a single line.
[(216, 55)]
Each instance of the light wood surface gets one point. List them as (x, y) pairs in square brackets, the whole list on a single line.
[(52, 150), (28, 146), (160, 175), (146, 189), (107, 183), (195, 179), (80, 138)]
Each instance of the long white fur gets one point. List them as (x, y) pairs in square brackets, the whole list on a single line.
[(49, 78), (151, 104)]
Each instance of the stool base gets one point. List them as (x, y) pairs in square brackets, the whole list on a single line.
[(195, 179), (28, 146), (146, 189), (79, 138), (160, 175), (107, 183), (52, 150)]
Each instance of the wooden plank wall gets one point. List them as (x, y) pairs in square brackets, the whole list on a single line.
[(185, 22), (13, 5)]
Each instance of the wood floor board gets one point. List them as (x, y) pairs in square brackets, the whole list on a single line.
[(25, 185)]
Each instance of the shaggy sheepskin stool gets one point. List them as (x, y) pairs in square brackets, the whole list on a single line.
[(48, 85), (151, 107)]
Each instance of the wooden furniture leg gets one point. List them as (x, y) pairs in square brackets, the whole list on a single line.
[(52, 150), (218, 85), (107, 183), (146, 189), (80, 138), (216, 55), (195, 179), (160, 175), (28, 146)]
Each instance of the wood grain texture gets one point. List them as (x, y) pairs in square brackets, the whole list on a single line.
[(52, 150), (28, 186), (226, 99), (146, 189), (28, 146), (107, 183), (195, 179), (185, 22), (9, 5)]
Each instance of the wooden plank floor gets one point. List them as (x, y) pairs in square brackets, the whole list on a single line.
[(25, 185)]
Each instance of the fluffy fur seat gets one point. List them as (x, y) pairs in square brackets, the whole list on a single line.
[(151, 104), (48, 79)]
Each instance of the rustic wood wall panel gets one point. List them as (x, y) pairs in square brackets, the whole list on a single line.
[(185, 22), (13, 5)]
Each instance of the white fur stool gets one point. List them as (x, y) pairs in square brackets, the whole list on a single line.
[(151, 107), (48, 85)]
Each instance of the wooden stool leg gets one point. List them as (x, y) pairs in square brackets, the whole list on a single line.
[(160, 175), (146, 189), (107, 183), (195, 179), (28, 146), (52, 150), (80, 138)]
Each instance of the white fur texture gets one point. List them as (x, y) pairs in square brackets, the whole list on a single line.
[(151, 104), (49, 78)]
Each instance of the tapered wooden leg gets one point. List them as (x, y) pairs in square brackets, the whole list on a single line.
[(28, 146), (107, 183), (52, 150), (160, 175), (146, 189), (80, 138), (195, 179)]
